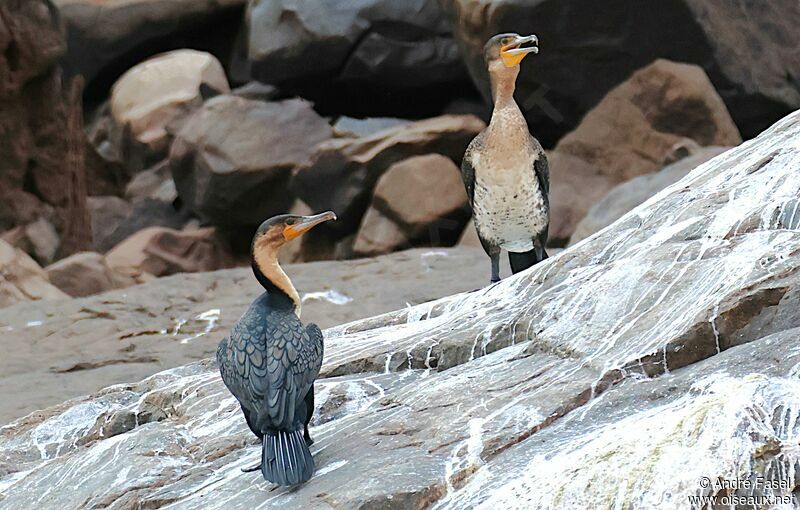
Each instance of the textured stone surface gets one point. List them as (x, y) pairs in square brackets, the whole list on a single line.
[(85, 273), (108, 37), (747, 48), (630, 194), (634, 130), (232, 159), (342, 173), (663, 350), (391, 44), (152, 94), (128, 334), (115, 219), (161, 251), (21, 278), (42, 173), (418, 201)]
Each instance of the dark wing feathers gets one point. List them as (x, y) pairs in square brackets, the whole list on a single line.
[(269, 363), (468, 166), (541, 168)]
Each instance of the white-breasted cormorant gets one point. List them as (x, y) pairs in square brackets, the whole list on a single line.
[(270, 361), (505, 168)]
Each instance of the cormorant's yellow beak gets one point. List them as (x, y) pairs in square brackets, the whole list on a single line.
[(307, 223), (513, 53)]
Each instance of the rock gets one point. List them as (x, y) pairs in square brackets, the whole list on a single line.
[(42, 173), (342, 173), (21, 278), (350, 127), (152, 94), (155, 183), (575, 186), (83, 274), (665, 348), (257, 91), (107, 38), (232, 160), (107, 214), (113, 154), (585, 53), (630, 194), (128, 334), (39, 239), (636, 129), (161, 251), (469, 237), (390, 44), (115, 219), (418, 201)]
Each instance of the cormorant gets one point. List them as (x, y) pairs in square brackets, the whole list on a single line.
[(505, 168), (270, 361)]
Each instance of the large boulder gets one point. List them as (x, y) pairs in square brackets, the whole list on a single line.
[(84, 274), (160, 251), (115, 219), (342, 173), (636, 129), (748, 50), (232, 159), (42, 147), (630, 194), (326, 48), (108, 37), (622, 373), (152, 94), (419, 201), (22, 279)]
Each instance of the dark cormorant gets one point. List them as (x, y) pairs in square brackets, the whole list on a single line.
[(505, 168), (270, 361)]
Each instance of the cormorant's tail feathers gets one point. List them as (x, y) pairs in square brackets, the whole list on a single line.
[(524, 260), (285, 458)]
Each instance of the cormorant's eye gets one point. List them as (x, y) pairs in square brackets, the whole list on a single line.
[(505, 41), (290, 221)]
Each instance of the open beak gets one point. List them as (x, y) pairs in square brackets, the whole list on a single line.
[(512, 54), (307, 223)]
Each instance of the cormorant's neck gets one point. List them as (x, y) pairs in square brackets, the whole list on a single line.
[(270, 275), (503, 85)]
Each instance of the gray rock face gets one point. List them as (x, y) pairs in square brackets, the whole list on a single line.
[(114, 219), (83, 274), (388, 43), (634, 130), (616, 374), (106, 38), (628, 195), (232, 159), (748, 50), (419, 201), (129, 334), (342, 173), (42, 174)]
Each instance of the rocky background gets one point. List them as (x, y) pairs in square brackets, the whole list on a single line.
[(142, 138)]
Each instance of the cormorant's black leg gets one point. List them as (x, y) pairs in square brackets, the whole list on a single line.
[(495, 266), (309, 401)]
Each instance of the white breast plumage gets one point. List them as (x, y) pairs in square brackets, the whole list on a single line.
[(508, 206)]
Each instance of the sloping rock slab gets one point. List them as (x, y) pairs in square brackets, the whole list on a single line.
[(658, 351), (129, 334)]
